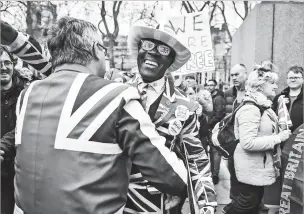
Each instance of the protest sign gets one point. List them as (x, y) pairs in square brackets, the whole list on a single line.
[(293, 174), (193, 30)]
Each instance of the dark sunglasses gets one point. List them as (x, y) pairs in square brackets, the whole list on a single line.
[(147, 45)]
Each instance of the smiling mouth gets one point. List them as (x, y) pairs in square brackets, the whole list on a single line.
[(150, 63), (4, 73)]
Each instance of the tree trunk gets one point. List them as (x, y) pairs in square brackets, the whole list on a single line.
[(29, 19), (111, 51)]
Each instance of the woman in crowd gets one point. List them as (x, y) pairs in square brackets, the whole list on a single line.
[(256, 162)]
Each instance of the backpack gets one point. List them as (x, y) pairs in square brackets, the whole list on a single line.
[(223, 138)]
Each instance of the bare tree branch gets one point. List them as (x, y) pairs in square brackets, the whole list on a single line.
[(212, 12), (115, 15), (6, 7), (236, 10), (194, 5), (190, 6), (22, 2), (103, 16), (246, 7), (103, 34), (222, 9), (205, 4), (184, 5)]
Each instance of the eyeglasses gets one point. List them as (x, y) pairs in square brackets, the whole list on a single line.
[(92, 53), (6, 63), (105, 50), (294, 78), (210, 85), (147, 45)]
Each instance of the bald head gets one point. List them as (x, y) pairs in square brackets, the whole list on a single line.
[(238, 75)]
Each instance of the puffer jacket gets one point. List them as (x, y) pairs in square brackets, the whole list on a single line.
[(252, 157), (230, 96)]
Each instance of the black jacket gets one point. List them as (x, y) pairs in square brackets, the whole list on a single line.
[(230, 95), (296, 113), (8, 105), (219, 110), (8, 121)]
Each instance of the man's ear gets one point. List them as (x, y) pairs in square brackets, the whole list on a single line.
[(96, 51)]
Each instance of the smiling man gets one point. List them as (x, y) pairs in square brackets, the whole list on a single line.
[(293, 96), (159, 52), (11, 86)]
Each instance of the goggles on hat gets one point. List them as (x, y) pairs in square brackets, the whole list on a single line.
[(147, 45)]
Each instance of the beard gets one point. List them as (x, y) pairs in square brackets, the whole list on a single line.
[(6, 80)]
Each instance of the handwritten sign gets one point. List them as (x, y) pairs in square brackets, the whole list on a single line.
[(193, 30)]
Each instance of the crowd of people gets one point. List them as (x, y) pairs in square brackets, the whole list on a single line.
[(77, 138)]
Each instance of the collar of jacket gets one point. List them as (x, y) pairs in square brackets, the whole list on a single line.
[(169, 91), (286, 91), (73, 67), (258, 98)]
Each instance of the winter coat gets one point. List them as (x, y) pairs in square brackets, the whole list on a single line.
[(253, 157), (218, 108), (230, 95), (8, 122), (296, 113)]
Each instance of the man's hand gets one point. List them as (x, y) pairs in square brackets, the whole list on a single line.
[(1, 155), (8, 33), (286, 100), (172, 201)]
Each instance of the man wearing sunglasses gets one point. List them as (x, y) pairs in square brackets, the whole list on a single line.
[(159, 52)]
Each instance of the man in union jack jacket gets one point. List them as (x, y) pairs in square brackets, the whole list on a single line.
[(159, 52), (77, 134)]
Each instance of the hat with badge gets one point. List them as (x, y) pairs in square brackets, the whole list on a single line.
[(163, 33)]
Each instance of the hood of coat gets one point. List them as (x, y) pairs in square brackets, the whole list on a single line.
[(258, 98)]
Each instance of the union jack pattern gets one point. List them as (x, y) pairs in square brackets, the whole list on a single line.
[(90, 135), (30, 51), (186, 145)]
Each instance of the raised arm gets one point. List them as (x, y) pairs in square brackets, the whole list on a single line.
[(26, 48)]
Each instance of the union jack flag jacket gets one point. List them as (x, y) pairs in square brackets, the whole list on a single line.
[(77, 136), (186, 144)]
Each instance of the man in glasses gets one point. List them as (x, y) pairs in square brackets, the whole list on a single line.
[(78, 134), (293, 96), (11, 86), (159, 52)]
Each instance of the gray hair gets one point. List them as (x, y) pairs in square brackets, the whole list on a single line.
[(70, 40)]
